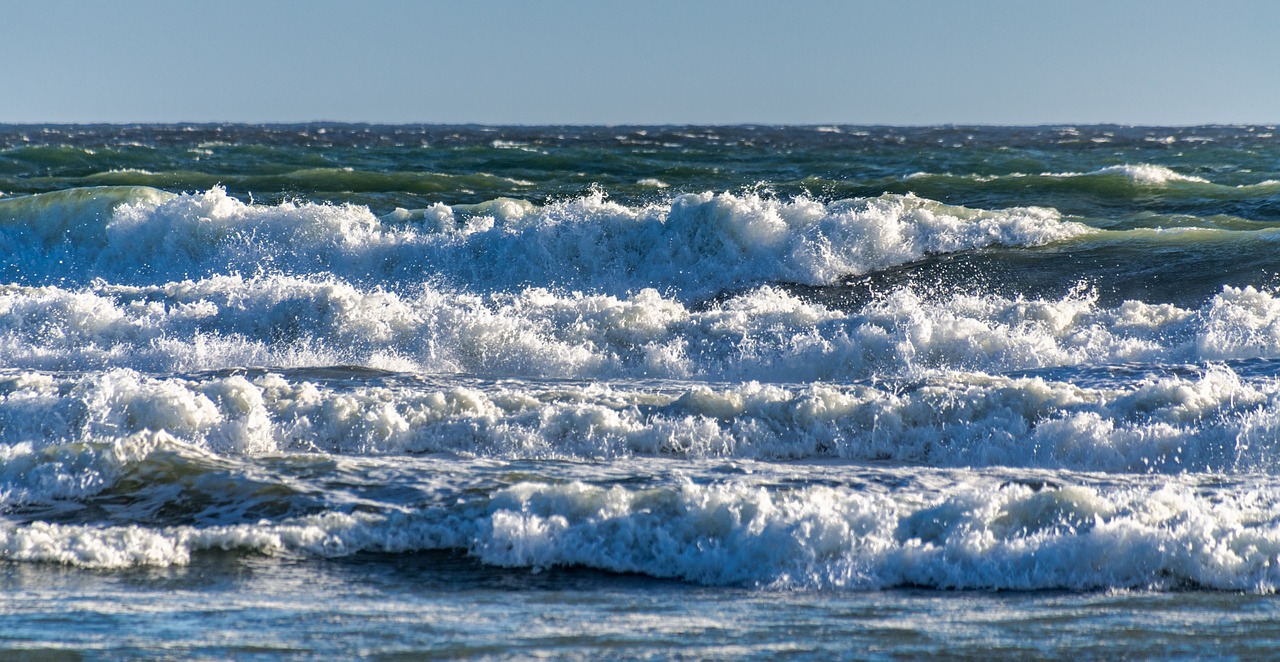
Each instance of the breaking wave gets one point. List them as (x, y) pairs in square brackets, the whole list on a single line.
[(697, 245)]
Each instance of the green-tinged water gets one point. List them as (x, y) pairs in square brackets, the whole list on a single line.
[(1096, 172)]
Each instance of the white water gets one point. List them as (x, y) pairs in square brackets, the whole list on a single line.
[(1214, 421), (630, 389), (842, 529), (697, 245), (763, 334)]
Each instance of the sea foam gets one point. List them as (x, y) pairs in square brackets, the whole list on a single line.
[(697, 245), (764, 334), (952, 531), (1216, 420)]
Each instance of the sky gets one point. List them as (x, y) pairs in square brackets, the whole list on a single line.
[(902, 62)]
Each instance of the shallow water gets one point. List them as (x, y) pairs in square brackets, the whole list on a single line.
[(444, 605)]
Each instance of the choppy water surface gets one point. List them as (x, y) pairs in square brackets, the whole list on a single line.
[(724, 391)]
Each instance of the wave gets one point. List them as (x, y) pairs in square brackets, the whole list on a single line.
[(1141, 174), (1143, 185), (763, 334), (33, 226), (698, 245), (846, 530), (316, 180), (1014, 537), (1208, 419)]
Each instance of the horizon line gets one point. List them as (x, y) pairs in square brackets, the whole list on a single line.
[(319, 122)]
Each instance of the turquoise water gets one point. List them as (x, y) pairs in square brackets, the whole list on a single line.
[(340, 390)]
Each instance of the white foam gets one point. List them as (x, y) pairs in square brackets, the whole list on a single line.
[(1151, 175), (1143, 174), (818, 537), (762, 334), (964, 532), (1241, 323), (1213, 421), (698, 245), (115, 547)]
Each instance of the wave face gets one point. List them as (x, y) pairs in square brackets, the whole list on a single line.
[(697, 245), (811, 358)]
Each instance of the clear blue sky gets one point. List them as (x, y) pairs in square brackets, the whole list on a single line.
[(653, 62)]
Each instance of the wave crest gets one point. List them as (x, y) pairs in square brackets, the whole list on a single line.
[(697, 246)]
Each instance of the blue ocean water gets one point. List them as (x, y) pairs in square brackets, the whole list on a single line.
[(325, 390)]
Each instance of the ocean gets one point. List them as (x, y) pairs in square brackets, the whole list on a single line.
[(725, 392)]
